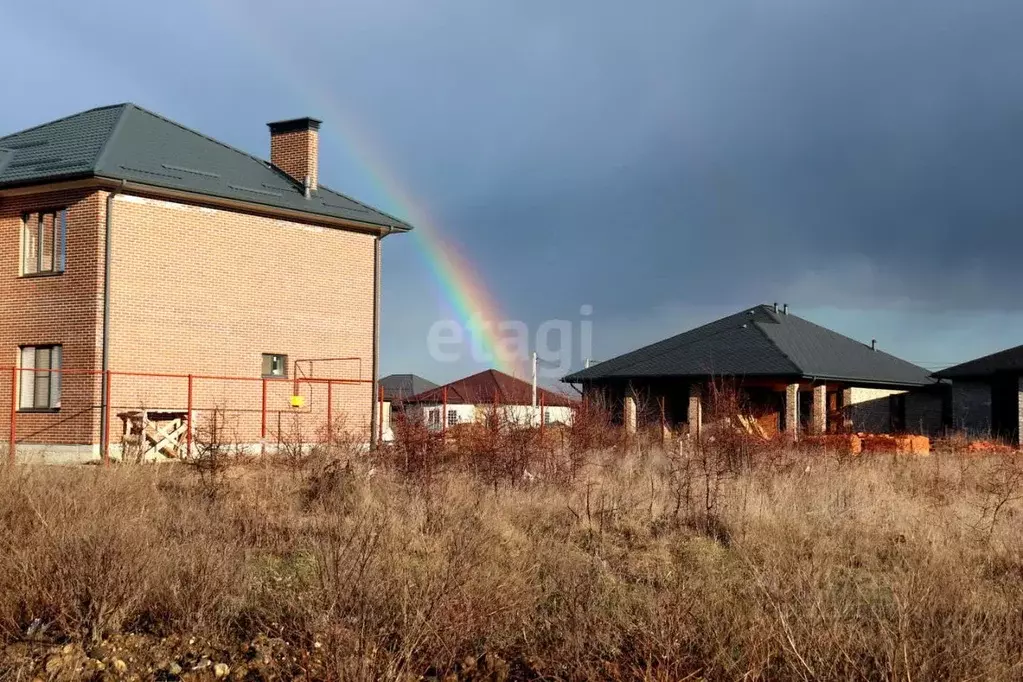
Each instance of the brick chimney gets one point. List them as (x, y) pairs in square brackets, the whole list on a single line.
[(294, 148)]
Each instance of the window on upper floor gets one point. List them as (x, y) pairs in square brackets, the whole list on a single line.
[(43, 242), (275, 366), (39, 383)]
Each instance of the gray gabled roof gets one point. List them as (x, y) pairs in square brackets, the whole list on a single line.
[(759, 342), (127, 142), (399, 387), (1008, 360)]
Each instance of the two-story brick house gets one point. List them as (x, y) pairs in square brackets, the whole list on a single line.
[(131, 244)]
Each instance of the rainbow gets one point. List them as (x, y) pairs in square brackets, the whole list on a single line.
[(459, 282)]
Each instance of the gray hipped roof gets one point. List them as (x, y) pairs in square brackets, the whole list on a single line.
[(1009, 360), (398, 387), (126, 142), (760, 342)]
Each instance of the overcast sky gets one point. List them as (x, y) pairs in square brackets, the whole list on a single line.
[(666, 163)]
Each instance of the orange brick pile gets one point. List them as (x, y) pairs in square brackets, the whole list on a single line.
[(902, 445), (857, 443)]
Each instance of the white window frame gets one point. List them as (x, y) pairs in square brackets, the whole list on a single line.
[(434, 416), (452, 417), (32, 225), (39, 389)]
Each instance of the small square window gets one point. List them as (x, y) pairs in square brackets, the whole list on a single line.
[(39, 382), (275, 366)]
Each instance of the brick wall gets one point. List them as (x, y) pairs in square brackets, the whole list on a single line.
[(208, 292), (63, 309), (194, 290), (869, 408), (971, 408)]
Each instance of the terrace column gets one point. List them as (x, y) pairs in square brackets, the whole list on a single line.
[(695, 413), (847, 409), (630, 415), (819, 421), (792, 411), (1019, 412)]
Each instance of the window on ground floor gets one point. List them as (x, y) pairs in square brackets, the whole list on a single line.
[(39, 383), (275, 366), (434, 417), (452, 417), (43, 242)]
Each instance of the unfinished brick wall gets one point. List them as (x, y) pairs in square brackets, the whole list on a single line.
[(63, 309), (869, 408), (971, 408)]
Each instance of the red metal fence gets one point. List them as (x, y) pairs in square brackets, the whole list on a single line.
[(250, 401)]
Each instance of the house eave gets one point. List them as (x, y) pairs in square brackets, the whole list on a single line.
[(88, 181)]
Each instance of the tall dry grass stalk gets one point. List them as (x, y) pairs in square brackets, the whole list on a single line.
[(621, 561)]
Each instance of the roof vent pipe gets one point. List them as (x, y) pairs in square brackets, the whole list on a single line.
[(785, 309), (776, 307), (873, 344), (307, 187)]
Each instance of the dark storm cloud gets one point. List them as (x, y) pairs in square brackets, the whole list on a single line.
[(801, 136)]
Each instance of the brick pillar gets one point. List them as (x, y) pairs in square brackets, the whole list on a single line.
[(819, 421), (847, 410), (792, 411), (630, 415), (695, 413), (1019, 412)]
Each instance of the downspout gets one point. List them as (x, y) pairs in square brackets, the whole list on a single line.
[(104, 427), (374, 412)]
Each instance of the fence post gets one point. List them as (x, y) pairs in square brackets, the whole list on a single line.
[(330, 411), (106, 433), (380, 421), (11, 447), (188, 431), (262, 414)]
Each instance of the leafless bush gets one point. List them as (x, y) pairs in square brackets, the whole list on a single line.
[(658, 567), (216, 449)]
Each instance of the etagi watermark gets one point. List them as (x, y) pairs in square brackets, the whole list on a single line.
[(557, 346)]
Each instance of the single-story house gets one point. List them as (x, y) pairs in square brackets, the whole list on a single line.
[(473, 398), (789, 373), (986, 395), (395, 389)]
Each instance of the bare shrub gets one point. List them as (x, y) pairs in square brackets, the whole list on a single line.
[(651, 565)]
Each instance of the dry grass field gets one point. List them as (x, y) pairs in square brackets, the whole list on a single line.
[(579, 556)]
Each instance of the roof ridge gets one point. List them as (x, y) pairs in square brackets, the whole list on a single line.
[(788, 358), (105, 149), (64, 118)]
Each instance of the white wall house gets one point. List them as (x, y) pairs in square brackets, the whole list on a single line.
[(472, 399), (432, 414)]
